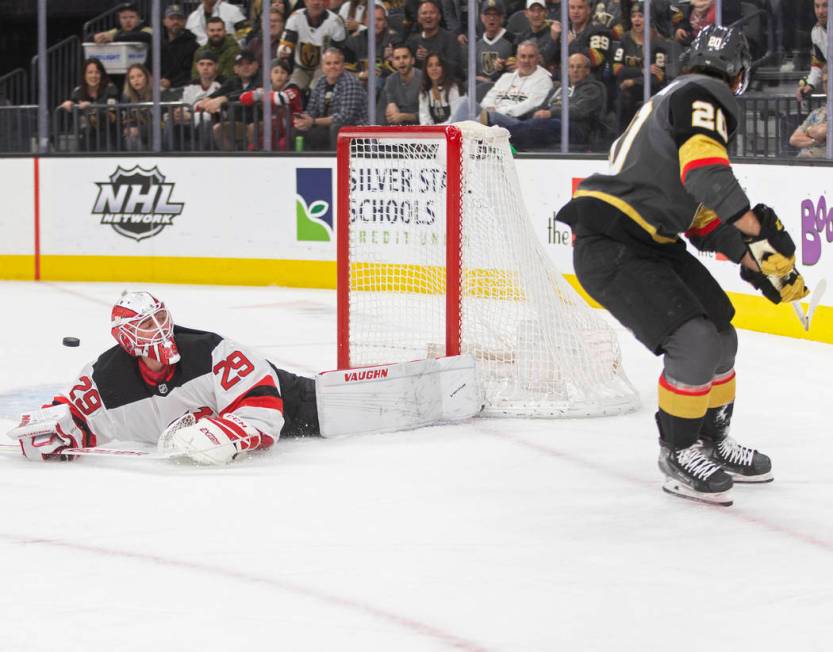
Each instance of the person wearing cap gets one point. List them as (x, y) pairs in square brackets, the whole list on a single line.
[(230, 132), (177, 49), (544, 32), (628, 66), (495, 50), (130, 29), (231, 15), (221, 44), (433, 38), (309, 31), (356, 49), (191, 126)]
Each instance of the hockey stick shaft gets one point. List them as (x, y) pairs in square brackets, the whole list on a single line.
[(102, 452)]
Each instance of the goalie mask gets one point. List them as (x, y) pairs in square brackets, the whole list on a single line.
[(144, 328)]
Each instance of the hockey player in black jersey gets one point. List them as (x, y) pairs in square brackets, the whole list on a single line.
[(671, 175), (191, 392)]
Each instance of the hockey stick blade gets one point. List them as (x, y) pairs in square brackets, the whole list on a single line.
[(799, 312), (821, 287)]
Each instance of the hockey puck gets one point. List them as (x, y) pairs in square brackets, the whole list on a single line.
[(71, 341)]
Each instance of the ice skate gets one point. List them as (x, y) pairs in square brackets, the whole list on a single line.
[(690, 474), (745, 465)]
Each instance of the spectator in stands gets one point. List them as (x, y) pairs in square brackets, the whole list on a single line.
[(440, 92), (449, 18), (628, 66), (545, 33), (352, 13), (138, 88), (356, 48), (130, 28), (818, 62), (401, 94), (96, 128), (276, 27), (337, 99), (286, 101), (200, 88), (811, 136), (433, 38), (516, 94), (700, 14), (231, 15), (223, 45), (588, 102), (588, 38), (608, 13), (309, 31), (495, 50), (230, 133), (177, 49)]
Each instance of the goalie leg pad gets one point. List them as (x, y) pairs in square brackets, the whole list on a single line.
[(398, 396)]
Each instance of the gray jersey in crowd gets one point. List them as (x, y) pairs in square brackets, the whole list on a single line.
[(488, 52)]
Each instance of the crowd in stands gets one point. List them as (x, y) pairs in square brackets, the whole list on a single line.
[(211, 57)]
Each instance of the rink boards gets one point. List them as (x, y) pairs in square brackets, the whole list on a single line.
[(271, 221)]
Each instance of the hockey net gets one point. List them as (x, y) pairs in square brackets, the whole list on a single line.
[(437, 256)]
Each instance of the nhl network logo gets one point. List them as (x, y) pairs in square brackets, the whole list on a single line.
[(137, 202)]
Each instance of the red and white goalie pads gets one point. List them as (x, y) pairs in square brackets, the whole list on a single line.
[(46, 432), (211, 440), (399, 396)]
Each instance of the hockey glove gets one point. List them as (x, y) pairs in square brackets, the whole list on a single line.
[(774, 251), (777, 289), (44, 433)]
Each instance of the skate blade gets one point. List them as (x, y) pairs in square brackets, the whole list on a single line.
[(723, 498), (763, 478)]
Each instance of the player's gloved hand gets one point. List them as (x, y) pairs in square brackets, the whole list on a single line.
[(211, 440), (43, 434), (773, 249), (777, 289)]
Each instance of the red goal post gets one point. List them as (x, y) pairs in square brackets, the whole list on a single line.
[(436, 255)]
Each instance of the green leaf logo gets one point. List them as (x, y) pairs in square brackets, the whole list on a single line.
[(311, 228)]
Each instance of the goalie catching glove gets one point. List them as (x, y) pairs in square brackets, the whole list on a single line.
[(211, 440), (43, 434), (774, 251)]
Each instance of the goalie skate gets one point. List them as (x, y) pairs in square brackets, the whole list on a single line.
[(690, 474)]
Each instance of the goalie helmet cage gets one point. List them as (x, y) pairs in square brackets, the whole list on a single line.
[(437, 256)]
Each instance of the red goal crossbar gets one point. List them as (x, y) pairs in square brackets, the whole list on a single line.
[(454, 182)]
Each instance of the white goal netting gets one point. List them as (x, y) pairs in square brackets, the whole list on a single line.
[(541, 351)]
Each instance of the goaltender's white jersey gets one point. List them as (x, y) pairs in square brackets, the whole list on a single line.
[(113, 399)]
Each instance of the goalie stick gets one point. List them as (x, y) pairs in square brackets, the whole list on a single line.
[(103, 452)]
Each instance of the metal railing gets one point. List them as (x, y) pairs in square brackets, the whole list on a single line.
[(18, 128), (766, 122), (14, 87), (127, 128), (63, 63)]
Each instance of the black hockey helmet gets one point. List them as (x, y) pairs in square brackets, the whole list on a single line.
[(723, 51)]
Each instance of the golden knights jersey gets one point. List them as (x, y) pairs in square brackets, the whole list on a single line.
[(670, 169), (112, 397), (309, 41)]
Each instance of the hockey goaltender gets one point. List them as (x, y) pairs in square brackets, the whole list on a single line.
[(201, 396)]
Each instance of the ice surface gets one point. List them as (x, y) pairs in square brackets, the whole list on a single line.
[(509, 535)]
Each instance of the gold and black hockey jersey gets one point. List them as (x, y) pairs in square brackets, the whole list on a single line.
[(670, 169)]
